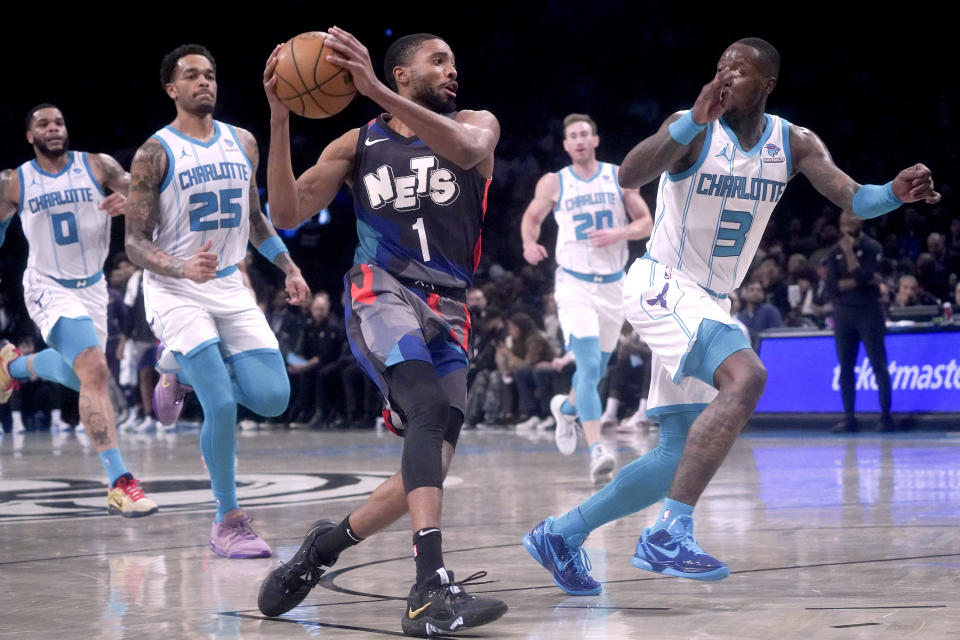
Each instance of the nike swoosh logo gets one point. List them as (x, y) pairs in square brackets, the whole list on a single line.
[(427, 531), (370, 143), (413, 614)]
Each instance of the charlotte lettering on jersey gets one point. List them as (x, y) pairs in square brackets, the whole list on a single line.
[(599, 197), (58, 198), (213, 171), (427, 179), (727, 186)]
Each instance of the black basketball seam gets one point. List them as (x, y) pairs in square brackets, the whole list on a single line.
[(296, 67), (323, 45)]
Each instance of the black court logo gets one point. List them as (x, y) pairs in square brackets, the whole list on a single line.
[(63, 498)]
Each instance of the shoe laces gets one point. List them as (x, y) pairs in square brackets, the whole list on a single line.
[(240, 527), (580, 561), (454, 590), (131, 487)]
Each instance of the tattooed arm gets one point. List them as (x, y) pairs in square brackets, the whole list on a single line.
[(109, 173), (261, 229), (143, 213)]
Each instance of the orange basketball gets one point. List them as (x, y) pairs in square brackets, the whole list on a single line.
[(307, 83)]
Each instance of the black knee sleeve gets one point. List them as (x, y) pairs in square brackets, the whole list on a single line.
[(425, 413)]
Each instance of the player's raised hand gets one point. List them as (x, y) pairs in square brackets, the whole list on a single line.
[(277, 108), (915, 183), (296, 287), (114, 204), (534, 252), (202, 266), (354, 57), (713, 98)]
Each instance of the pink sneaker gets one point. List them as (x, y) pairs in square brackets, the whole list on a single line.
[(235, 538), (168, 398)]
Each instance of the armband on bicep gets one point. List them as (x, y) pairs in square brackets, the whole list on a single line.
[(873, 200)]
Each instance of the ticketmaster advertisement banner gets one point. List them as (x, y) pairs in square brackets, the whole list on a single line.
[(804, 374)]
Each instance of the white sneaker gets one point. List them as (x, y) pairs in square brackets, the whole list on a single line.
[(248, 425), (602, 463), (134, 417), (608, 420), (545, 424), (566, 433), (528, 424), (148, 422)]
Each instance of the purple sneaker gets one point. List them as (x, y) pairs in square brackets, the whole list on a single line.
[(235, 538), (168, 398)]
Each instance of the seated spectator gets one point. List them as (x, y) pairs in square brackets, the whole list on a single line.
[(909, 293), (313, 367), (932, 276), (757, 315), (528, 350), (626, 382), (484, 384)]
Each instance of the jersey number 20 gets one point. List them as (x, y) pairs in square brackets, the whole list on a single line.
[(210, 203), (585, 221)]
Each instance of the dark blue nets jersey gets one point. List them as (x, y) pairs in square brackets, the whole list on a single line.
[(418, 214)]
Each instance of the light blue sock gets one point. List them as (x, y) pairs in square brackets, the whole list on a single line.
[(218, 434), (636, 486), (568, 409), (49, 365), (671, 510), (113, 464)]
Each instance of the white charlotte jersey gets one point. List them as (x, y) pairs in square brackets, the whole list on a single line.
[(69, 235), (710, 218), (583, 206), (204, 195)]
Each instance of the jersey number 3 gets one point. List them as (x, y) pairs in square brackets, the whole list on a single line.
[(210, 203), (735, 235)]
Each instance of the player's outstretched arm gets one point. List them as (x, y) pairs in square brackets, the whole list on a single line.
[(110, 174), (9, 199), (292, 199), (262, 234), (676, 145), (813, 160), (143, 213), (468, 140), (544, 200)]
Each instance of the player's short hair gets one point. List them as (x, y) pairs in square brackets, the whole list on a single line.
[(578, 117), (169, 63), (769, 56), (33, 112), (400, 52)]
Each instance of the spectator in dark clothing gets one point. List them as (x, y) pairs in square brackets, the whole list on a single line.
[(756, 314), (853, 281), (484, 383), (315, 373), (529, 350), (771, 275), (287, 321), (910, 294)]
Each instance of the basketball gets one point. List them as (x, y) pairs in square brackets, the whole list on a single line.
[(307, 83)]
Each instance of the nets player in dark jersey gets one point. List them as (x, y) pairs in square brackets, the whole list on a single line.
[(419, 175)]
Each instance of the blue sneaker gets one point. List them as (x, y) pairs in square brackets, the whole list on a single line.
[(569, 566), (674, 552)]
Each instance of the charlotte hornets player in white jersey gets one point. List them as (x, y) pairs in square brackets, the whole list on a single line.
[(65, 212), (724, 165), (193, 207), (593, 218)]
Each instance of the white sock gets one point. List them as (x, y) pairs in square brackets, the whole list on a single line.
[(55, 417), (16, 420)]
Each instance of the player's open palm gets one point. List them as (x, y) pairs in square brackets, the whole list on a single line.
[(354, 57), (915, 183), (202, 266), (277, 108), (713, 99)]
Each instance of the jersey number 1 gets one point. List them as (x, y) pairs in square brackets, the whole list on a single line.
[(422, 233)]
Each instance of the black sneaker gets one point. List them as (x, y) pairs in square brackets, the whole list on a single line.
[(443, 608), (847, 425), (286, 586)]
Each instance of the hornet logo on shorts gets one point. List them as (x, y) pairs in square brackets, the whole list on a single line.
[(65, 498), (773, 152), (661, 298)]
